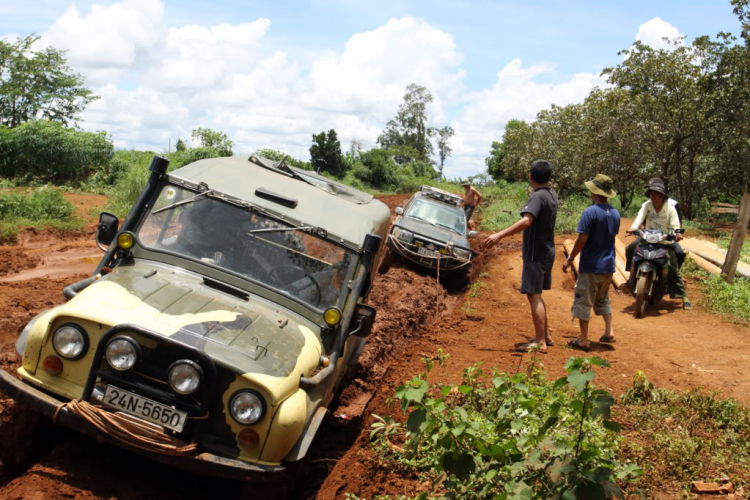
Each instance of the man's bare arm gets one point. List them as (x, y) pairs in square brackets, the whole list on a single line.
[(519, 226), (577, 247)]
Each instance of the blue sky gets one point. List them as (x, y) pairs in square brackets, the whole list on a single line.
[(277, 72)]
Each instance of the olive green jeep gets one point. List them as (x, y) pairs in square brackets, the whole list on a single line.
[(217, 325)]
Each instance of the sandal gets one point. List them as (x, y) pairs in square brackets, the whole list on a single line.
[(530, 347), (607, 340), (573, 343), (686, 305)]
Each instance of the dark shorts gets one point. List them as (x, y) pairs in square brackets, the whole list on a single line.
[(536, 276), (469, 212)]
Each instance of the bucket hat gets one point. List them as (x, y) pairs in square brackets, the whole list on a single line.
[(466, 183), (601, 185), (656, 184)]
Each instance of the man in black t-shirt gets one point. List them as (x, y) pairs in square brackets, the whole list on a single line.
[(537, 222)]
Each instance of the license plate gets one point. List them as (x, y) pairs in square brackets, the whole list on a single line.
[(144, 408), (427, 252)]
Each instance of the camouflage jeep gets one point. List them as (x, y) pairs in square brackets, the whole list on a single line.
[(219, 321)]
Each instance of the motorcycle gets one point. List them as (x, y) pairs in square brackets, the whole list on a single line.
[(648, 275)]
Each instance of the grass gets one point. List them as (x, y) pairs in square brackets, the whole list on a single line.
[(42, 207), (504, 202), (679, 437), (732, 301)]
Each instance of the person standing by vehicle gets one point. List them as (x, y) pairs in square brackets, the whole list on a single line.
[(597, 228), (657, 213), (537, 222), (472, 198)]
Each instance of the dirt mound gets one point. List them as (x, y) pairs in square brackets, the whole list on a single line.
[(13, 261)]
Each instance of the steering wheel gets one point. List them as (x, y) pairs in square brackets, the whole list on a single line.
[(288, 274)]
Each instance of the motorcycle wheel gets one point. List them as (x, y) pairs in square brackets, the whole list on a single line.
[(641, 291)]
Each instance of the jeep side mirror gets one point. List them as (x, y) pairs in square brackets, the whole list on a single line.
[(107, 229), (364, 317), (473, 234), (399, 211)]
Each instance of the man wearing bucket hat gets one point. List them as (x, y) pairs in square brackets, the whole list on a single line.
[(657, 213), (597, 229)]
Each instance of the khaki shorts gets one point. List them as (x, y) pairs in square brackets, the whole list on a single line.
[(592, 290)]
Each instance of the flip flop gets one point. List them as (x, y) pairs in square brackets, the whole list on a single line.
[(607, 340), (529, 348), (686, 305), (550, 343), (575, 345)]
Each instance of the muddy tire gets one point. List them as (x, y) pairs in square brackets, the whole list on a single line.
[(458, 280), (387, 261), (641, 289), (25, 436)]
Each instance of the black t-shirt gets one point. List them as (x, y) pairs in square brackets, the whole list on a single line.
[(539, 238)]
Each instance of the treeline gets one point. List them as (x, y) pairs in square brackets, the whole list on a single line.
[(680, 113)]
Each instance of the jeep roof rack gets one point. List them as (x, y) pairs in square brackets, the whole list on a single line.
[(441, 195)]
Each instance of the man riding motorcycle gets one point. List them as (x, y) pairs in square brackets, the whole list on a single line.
[(658, 214)]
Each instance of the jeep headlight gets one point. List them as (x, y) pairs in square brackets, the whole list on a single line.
[(460, 253), (185, 376), (247, 407), (70, 341), (122, 353), (403, 234)]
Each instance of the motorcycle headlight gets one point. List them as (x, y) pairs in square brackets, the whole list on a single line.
[(247, 407), (185, 376), (70, 341), (403, 234), (653, 237), (122, 353), (461, 253)]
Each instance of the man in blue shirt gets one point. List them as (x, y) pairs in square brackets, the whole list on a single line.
[(597, 229)]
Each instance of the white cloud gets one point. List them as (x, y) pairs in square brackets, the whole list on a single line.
[(653, 32), (158, 82), (114, 36), (515, 95)]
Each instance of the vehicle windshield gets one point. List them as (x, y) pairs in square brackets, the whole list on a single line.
[(451, 219), (257, 247)]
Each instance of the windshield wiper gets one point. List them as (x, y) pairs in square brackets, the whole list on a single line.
[(422, 219), (183, 202), (449, 228), (270, 229)]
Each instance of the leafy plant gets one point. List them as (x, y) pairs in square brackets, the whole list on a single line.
[(518, 437)]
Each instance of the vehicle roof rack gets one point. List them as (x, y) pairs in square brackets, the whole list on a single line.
[(441, 195)]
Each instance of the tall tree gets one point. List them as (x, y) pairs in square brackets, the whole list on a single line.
[(499, 150), (444, 150), (325, 154), (668, 83), (180, 145), (409, 128), (38, 85), (214, 139)]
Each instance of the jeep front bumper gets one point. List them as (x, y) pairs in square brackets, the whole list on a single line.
[(206, 464)]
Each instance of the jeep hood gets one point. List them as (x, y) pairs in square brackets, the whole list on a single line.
[(245, 336), (436, 233)]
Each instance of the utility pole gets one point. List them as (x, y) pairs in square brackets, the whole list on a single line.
[(169, 146), (738, 239)]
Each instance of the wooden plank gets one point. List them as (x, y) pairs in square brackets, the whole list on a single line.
[(704, 264), (738, 238), (720, 204), (716, 257), (620, 248), (568, 246), (721, 210)]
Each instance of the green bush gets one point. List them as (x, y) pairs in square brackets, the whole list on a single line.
[(43, 206), (516, 437), (48, 152)]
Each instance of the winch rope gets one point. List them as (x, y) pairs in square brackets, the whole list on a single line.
[(401, 246), (129, 431)]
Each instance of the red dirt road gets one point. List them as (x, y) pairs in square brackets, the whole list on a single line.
[(416, 316)]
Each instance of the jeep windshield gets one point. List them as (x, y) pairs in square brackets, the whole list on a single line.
[(437, 215), (260, 248)]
